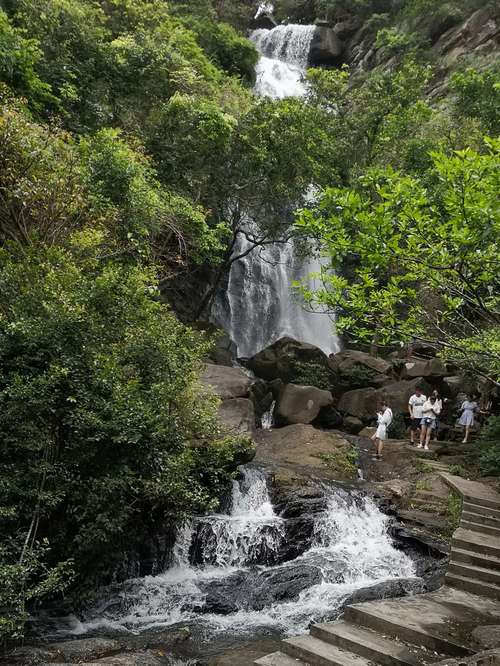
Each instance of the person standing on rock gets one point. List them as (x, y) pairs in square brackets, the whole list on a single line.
[(384, 420), (415, 404), (439, 403), (430, 411)]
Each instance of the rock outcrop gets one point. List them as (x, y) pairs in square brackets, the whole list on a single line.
[(300, 404), (433, 368), (348, 359), (326, 46), (233, 388), (280, 360)]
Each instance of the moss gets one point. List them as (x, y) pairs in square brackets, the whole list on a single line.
[(342, 462)]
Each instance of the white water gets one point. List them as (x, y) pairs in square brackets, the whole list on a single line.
[(260, 304), (351, 550)]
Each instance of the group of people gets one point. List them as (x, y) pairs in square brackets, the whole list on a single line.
[(424, 420)]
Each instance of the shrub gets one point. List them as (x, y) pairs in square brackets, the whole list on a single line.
[(489, 448)]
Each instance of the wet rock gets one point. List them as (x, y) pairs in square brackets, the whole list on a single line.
[(326, 47), (81, 650), (300, 404), (488, 637), (222, 595), (238, 415), (227, 383), (283, 584), (387, 590), (280, 360), (264, 21)]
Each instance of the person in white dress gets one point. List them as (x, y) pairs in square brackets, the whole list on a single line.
[(469, 407), (430, 411), (384, 420)]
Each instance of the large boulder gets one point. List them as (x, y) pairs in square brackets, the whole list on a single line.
[(299, 445), (238, 415), (226, 382), (282, 359), (432, 368), (350, 358), (300, 404), (363, 403), (326, 46)]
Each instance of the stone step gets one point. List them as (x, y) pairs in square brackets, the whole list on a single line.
[(480, 518), (430, 496), (476, 559), (371, 645), (473, 586), (278, 659), (472, 491), (476, 542), (314, 651), (474, 572), (482, 510), (480, 527), (390, 620)]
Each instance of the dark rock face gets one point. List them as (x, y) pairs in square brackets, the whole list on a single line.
[(329, 418), (300, 404), (388, 589), (326, 47), (278, 361), (254, 590)]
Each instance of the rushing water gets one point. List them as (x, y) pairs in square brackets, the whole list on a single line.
[(260, 305), (351, 549)]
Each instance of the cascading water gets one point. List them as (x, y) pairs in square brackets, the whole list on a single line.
[(218, 565), (260, 305)]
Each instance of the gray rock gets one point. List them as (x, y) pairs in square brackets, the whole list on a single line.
[(300, 404), (238, 415), (433, 368), (360, 403), (347, 28), (226, 382), (387, 590), (352, 425), (278, 361), (488, 637), (349, 358)]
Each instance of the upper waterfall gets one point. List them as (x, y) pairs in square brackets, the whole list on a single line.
[(260, 305)]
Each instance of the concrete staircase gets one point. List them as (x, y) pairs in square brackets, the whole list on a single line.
[(423, 629)]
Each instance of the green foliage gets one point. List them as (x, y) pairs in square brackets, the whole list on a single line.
[(404, 241), (488, 456), (343, 462), (311, 374), (478, 96), (105, 432), (357, 376)]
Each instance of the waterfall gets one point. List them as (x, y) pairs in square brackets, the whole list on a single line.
[(350, 549), (259, 305)]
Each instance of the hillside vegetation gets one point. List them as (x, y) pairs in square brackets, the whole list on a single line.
[(131, 152)]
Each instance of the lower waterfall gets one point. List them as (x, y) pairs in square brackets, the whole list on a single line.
[(227, 560)]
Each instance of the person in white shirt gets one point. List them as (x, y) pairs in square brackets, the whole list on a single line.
[(415, 404), (384, 420), (430, 411)]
